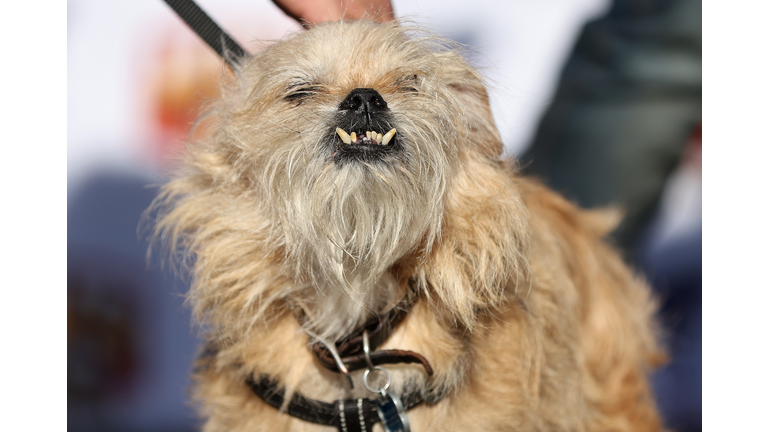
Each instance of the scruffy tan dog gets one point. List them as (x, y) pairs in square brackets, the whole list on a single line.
[(355, 169)]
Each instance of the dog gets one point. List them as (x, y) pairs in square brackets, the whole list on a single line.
[(364, 258)]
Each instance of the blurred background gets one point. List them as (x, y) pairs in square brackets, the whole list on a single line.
[(601, 99)]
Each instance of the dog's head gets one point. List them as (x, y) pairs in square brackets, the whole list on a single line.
[(333, 155)]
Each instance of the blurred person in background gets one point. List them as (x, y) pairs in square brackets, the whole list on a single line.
[(628, 100)]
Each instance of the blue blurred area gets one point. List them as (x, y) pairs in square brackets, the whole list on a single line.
[(130, 339), (674, 269)]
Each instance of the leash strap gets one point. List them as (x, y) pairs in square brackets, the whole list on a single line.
[(209, 31)]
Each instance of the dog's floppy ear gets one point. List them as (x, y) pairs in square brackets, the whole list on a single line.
[(467, 86)]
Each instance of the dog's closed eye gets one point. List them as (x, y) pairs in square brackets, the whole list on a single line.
[(408, 84), (299, 92)]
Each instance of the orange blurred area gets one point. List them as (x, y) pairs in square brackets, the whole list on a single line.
[(184, 78)]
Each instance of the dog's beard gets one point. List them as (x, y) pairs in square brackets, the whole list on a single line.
[(346, 225)]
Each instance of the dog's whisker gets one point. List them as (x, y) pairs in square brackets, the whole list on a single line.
[(349, 285)]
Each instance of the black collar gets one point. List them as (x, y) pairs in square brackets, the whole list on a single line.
[(349, 415), (379, 328)]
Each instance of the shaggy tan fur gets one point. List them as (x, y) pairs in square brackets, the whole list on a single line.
[(530, 321)]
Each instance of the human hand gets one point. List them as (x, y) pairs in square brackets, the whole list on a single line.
[(312, 12)]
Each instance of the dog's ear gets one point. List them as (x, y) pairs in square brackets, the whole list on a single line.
[(466, 85)]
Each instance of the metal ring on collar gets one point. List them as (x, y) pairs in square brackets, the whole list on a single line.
[(381, 389)]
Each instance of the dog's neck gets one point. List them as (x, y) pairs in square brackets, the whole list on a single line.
[(333, 312)]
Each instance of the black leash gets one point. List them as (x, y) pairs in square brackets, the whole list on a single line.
[(209, 31)]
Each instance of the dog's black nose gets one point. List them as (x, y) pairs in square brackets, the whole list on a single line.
[(365, 100)]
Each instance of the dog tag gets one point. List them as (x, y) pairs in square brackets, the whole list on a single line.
[(392, 414)]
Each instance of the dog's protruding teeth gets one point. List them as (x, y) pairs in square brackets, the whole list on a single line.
[(388, 136), (353, 136), (368, 134), (378, 138), (344, 136)]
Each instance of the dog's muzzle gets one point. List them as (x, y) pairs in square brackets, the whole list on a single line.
[(365, 130)]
